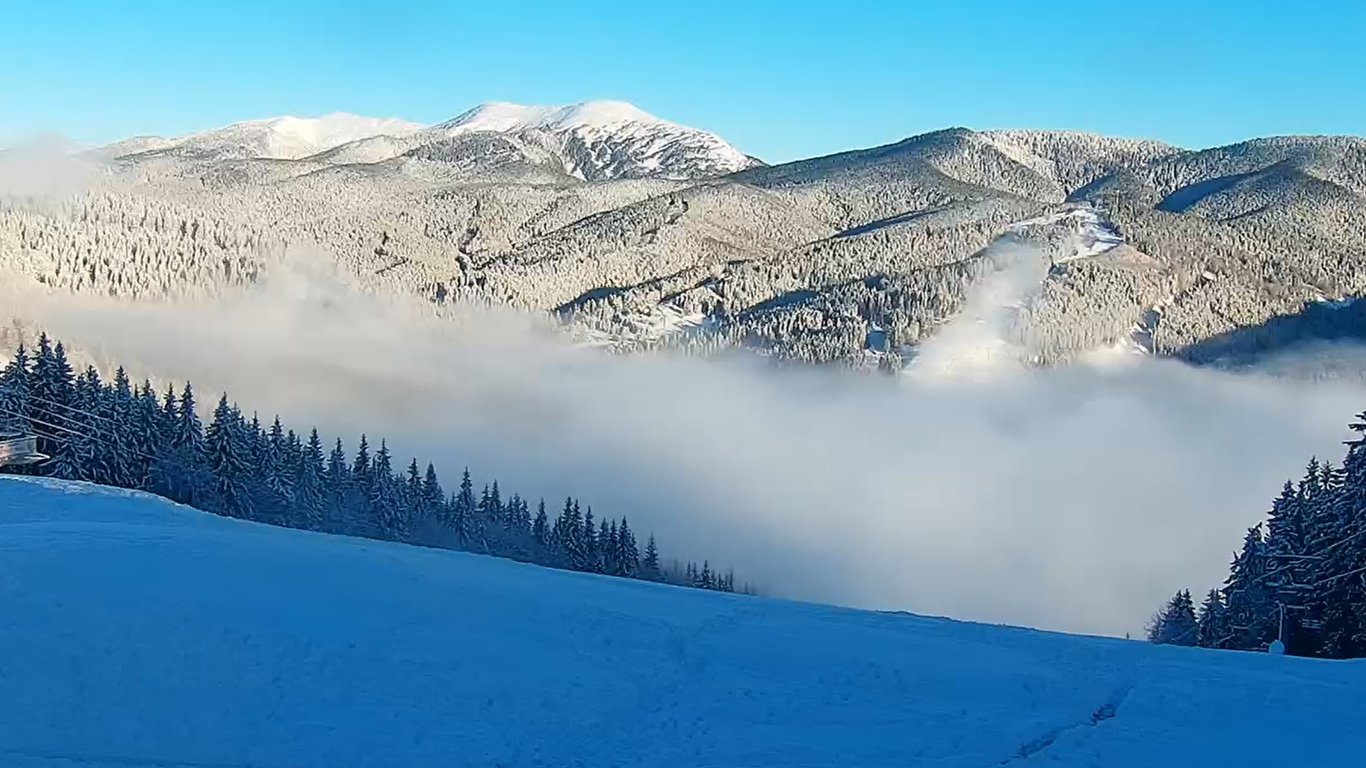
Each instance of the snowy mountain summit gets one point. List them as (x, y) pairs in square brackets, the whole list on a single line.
[(594, 141), (608, 140)]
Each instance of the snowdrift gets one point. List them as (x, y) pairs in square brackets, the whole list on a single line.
[(135, 632)]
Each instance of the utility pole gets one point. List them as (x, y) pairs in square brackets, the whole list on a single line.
[(1277, 646)]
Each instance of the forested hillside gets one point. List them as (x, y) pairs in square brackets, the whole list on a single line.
[(853, 258), (126, 436)]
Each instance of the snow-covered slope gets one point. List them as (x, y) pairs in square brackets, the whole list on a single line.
[(140, 633), (276, 138)]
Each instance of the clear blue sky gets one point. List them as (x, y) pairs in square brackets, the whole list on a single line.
[(780, 80)]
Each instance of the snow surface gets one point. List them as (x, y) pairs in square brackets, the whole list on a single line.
[(1093, 235), (140, 633)]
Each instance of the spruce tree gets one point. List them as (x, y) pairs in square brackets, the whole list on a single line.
[(628, 556), (1212, 623), (1250, 603), (385, 498), (649, 566), (1175, 624), (310, 497), (540, 527), (592, 557), (338, 482), (229, 462)]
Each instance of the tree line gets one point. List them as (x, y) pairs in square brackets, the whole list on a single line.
[(1299, 577), (123, 435)]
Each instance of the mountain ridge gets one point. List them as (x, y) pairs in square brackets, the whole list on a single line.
[(595, 140), (855, 257)]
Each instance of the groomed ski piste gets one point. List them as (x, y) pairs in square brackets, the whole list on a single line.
[(136, 632)]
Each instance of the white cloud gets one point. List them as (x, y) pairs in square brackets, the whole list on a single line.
[(1075, 498)]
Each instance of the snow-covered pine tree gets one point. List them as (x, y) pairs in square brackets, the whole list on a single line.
[(592, 557), (15, 385), (229, 462), (570, 530), (1175, 624), (359, 515), (276, 472), (143, 432), (628, 556), (338, 482), (75, 436), (607, 547), (50, 395), (162, 475), (649, 565), (386, 501), (433, 496), (116, 413), (1212, 622), (192, 481), (1343, 578), (1289, 578), (463, 512), (1251, 608), (540, 529), (310, 491)]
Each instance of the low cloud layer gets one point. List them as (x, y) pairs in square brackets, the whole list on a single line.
[(41, 169), (1075, 498)]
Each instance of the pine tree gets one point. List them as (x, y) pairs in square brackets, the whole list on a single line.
[(385, 498), (628, 556), (229, 462), (607, 547), (278, 470), (76, 454), (431, 509), (338, 482), (1343, 578), (310, 496), (1249, 600), (592, 557), (540, 527), (190, 478), (1212, 623), (116, 413), (15, 386), (1175, 624), (649, 566)]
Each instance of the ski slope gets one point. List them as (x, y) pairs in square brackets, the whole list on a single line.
[(134, 632)]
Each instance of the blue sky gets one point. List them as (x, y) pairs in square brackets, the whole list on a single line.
[(780, 80)]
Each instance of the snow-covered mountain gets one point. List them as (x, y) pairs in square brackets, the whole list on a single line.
[(139, 633), (594, 140), (276, 138), (609, 139), (821, 259)]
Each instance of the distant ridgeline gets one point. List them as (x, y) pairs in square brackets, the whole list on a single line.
[(1300, 578), (116, 434)]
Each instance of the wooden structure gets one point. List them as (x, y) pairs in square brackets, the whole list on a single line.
[(17, 450)]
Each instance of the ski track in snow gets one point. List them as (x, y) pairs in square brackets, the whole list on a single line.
[(141, 633)]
